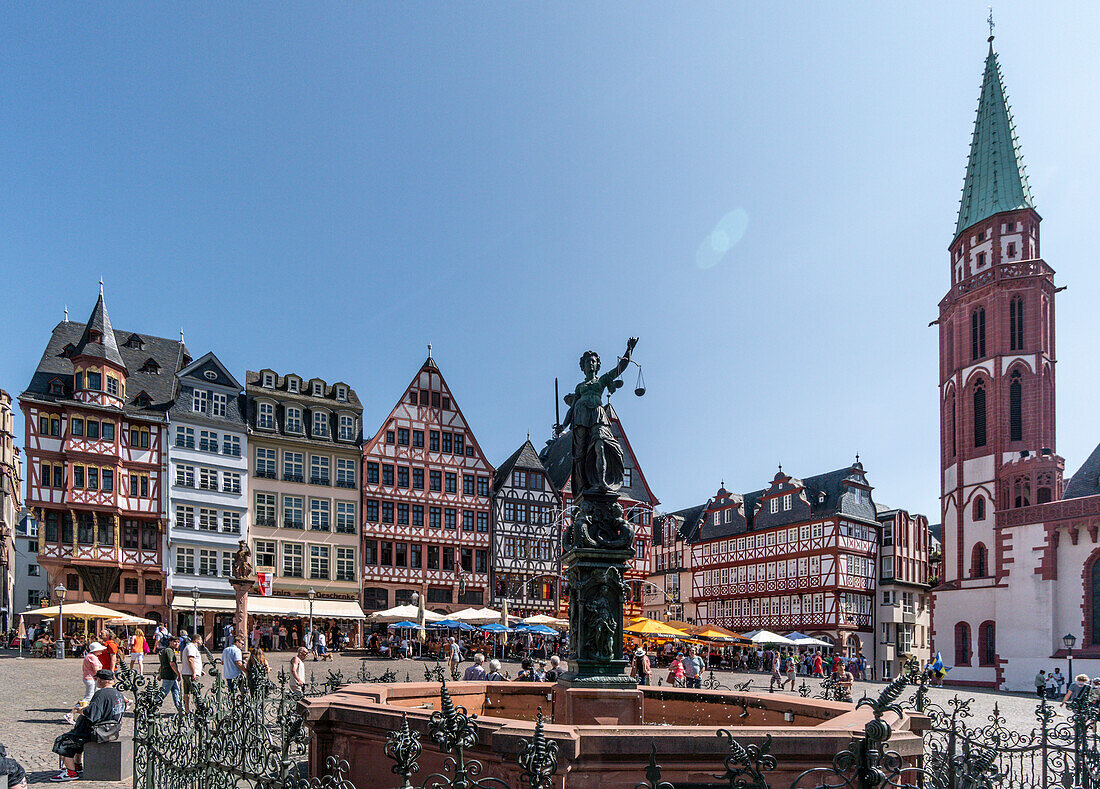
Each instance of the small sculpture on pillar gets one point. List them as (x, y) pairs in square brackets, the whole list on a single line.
[(600, 541), (242, 581)]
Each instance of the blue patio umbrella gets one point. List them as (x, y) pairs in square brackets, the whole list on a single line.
[(450, 624), (404, 624), (541, 630), (495, 627)]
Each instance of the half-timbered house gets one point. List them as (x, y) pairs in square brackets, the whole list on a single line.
[(800, 554), (425, 502), (96, 417), (526, 542), (635, 496)]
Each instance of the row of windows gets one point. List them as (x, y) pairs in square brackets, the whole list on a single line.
[(294, 386), (438, 441), (207, 564), (294, 468), (792, 535), (208, 519), (528, 480), (806, 566), (383, 553), (100, 430), (294, 513), (85, 477), (1015, 329), (209, 403), (786, 605), (209, 441), (514, 512), (294, 556), (426, 397), (528, 548), (88, 529), (188, 476), (94, 380), (404, 514), (439, 481), (294, 422), (980, 416), (154, 587)]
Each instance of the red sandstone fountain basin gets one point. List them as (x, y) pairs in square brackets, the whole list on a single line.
[(604, 737)]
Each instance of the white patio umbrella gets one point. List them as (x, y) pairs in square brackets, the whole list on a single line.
[(402, 613), (768, 637), (549, 621)]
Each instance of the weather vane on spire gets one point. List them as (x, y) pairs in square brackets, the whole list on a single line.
[(101, 286), (991, 23)]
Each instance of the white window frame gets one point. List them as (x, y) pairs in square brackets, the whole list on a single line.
[(347, 427), (218, 403), (231, 522), (320, 515), (265, 416), (773, 506), (320, 424), (185, 561), (318, 389), (293, 420), (269, 380), (319, 556), (200, 401)]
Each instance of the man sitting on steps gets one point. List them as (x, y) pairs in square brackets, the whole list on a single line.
[(106, 707)]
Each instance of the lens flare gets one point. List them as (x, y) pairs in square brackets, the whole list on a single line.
[(725, 236)]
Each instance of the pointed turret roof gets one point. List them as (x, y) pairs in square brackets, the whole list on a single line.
[(526, 457), (104, 345), (996, 180)]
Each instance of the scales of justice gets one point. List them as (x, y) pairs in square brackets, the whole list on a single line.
[(599, 541)]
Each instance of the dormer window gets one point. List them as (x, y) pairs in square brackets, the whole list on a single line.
[(341, 393), (292, 385), (200, 401), (143, 400), (320, 424), (56, 387), (135, 342), (94, 336), (67, 351), (265, 416), (151, 366), (294, 420), (269, 381), (318, 389)]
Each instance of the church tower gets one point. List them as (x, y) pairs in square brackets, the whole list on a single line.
[(996, 333)]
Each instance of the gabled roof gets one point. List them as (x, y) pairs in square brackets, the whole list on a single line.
[(160, 386), (995, 177), (1086, 482), (210, 362), (106, 346), (525, 457)]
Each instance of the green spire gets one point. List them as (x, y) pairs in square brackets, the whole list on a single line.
[(995, 177)]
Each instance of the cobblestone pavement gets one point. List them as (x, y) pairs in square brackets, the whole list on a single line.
[(36, 694)]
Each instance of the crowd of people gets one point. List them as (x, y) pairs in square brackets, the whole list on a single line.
[(436, 645)]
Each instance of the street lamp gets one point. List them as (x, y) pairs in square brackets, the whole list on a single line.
[(312, 593), (60, 591), (194, 612), (1069, 641)]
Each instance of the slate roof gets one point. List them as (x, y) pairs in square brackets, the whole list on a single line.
[(826, 492), (1086, 482), (170, 355), (107, 347), (692, 518), (996, 179), (525, 457), (193, 375)]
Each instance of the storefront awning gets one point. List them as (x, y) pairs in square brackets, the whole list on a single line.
[(275, 606)]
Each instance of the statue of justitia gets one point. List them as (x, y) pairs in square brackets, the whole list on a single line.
[(597, 455)]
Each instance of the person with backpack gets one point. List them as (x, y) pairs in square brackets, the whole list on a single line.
[(1079, 690)]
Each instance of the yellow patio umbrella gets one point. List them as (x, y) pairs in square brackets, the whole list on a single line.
[(719, 634), (651, 627)]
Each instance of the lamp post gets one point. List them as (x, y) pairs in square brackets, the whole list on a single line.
[(1069, 641), (312, 593), (60, 591), (194, 612)]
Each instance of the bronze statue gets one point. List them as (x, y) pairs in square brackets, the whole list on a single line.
[(597, 456), (242, 561)]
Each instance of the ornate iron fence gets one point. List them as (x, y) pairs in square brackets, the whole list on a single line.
[(1061, 750), (249, 734)]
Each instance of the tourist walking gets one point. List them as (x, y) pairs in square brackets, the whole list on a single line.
[(494, 674), (110, 660), (675, 676), (454, 656), (105, 709), (169, 673), (298, 668), (191, 670), (1041, 684), (138, 647), (792, 672), (256, 670)]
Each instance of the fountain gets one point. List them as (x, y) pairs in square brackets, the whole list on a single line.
[(604, 726)]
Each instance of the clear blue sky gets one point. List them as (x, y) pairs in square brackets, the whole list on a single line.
[(325, 187)]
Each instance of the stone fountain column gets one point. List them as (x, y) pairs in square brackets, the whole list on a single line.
[(597, 690), (241, 588)]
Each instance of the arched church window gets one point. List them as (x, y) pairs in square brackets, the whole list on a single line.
[(977, 334), (979, 562), (949, 416), (1016, 323), (1015, 407), (962, 644), (979, 414), (979, 508), (987, 644)]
